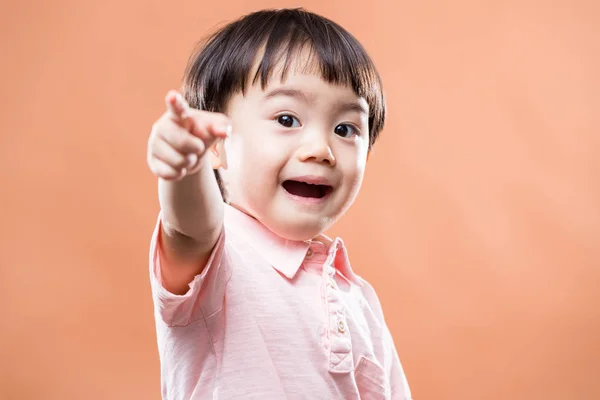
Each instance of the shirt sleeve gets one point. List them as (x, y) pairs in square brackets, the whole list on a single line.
[(206, 290), (398, 382), (399, 387)]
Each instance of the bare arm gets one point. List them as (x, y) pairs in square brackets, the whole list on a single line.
[(190, 201)]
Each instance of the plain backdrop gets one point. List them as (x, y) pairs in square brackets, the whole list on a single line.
[(478, 223)]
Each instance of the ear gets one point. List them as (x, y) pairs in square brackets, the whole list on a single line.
[(218, 157), (368, 154)]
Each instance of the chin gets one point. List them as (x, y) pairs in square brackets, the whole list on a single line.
[(298, 229)]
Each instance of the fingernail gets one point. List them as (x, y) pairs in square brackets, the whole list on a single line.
[(191, 160), (225, 128)]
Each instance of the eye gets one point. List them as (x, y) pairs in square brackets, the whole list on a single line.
[(288, 121), (345, 130)]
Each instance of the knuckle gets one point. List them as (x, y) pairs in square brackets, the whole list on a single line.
[(149, 159), (157, 126), (153, 146), (154, 168)]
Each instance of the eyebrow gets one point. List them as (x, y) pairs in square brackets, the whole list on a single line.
[(353, 107), (300, 95), (297, 94)]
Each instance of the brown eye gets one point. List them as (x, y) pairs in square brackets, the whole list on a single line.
[(345, 130), (288, 121)]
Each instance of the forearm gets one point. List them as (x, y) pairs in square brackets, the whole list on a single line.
[(192, 207)]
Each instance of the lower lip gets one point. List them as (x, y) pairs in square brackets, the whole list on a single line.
[(307, 200)]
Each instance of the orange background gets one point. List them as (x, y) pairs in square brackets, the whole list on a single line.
[(478, 224)]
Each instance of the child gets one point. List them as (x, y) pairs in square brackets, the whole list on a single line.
[(252, 301)]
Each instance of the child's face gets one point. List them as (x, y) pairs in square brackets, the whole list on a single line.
[(300, 130)]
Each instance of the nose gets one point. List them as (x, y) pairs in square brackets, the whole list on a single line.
[(316, 148)]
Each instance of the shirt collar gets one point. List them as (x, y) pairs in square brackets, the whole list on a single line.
[(284, 255)]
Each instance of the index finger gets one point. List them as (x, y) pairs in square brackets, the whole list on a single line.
[(177, 106)]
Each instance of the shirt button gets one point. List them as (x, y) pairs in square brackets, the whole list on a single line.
[(332, 283), (341, 327), (309, 253)]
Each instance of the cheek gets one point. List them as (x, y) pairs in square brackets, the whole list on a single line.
[(255, 159), (353, 162), (357, 177), (265, 156)]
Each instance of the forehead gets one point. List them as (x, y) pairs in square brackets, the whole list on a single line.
[(301, 67), (276, 65)]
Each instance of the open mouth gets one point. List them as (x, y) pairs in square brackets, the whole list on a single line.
[(308, 190)]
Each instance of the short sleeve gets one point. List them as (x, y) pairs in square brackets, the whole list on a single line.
[(400, 389), (206, 291), (398, 382)]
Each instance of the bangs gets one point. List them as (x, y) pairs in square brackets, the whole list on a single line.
[(252, 49)]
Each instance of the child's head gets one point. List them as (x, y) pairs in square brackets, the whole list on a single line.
[(306, 105)]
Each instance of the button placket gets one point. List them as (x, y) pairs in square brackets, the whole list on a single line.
[(341, 326), (340, 349), (332, 283)]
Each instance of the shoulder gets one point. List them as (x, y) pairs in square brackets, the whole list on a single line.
[(370, 295)]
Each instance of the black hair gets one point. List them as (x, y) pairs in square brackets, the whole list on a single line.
[(224, 64)]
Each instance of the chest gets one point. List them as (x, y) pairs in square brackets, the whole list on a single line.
[(317, 316)]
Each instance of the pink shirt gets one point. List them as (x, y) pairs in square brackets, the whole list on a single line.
[(270, 318)]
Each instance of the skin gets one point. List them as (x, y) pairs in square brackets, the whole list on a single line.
[(301, 128)]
